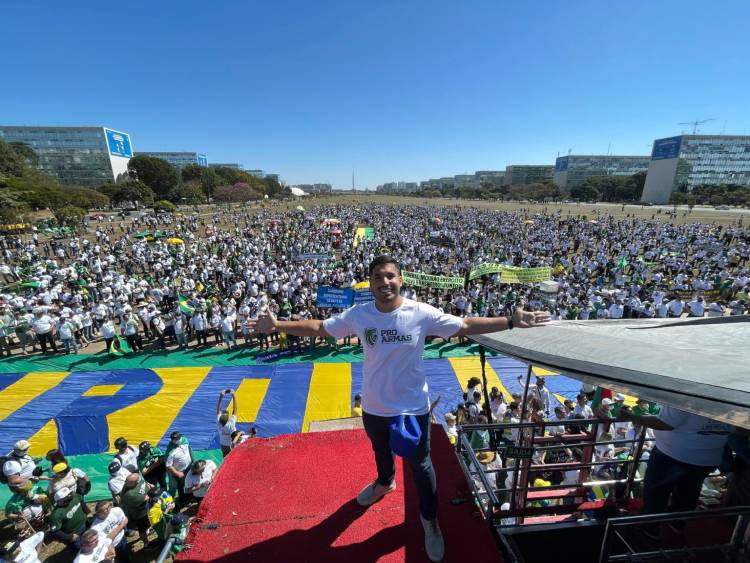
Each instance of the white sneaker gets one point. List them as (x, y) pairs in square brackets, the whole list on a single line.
[(433, 539), (374, 492)]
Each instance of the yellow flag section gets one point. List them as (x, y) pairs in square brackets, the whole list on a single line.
[(26, 389), (151, 417), (330, 392), (358, 236), (22, 392), (250, 395), (465, 368)]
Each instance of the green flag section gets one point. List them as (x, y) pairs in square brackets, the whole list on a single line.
[(95, 466), (417, 279), (512, 274), (119, 347), (184, 307), (195, 357)]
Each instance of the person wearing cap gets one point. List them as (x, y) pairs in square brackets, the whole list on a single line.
[(68, 520), (199, 478), (117, 476), (151, 464), (127, 455), (111, 521), (619, 401), (226, 423), (134, 501), (95, 547), (69, 477), (27, 550), (357, 407), (28, 502), (179, 457), (393, 330), (19, 466)]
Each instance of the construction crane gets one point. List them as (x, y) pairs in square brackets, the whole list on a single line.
[(696, 123)]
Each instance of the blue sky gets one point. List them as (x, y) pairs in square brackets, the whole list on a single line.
[(396, 90)]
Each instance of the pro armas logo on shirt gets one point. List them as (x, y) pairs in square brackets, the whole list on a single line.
[(386, 336), (371, 336)]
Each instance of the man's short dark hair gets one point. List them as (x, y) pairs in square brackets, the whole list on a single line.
[(384, 259)]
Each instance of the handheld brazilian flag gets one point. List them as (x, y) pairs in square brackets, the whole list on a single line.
[(119, 347), (184, 307)]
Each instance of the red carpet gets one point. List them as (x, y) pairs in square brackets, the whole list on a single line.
[(291, 499)]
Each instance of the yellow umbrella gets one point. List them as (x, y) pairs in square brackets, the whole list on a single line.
[(175, 240)]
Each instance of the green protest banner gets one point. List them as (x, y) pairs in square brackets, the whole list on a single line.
[(418, 279), (512, 274), (484, 269)]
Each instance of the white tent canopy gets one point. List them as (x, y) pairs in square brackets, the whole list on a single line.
[(698, 365), (298, 192)]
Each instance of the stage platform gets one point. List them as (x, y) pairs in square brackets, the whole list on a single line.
[(292, 498)]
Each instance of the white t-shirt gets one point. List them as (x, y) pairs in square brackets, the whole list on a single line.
[(99, 553), (22, 466), (117, 481), (113, 519), (129, 459), (204, 479), (696, 440), (179, 458), (27, 552), (225, 432), (393, 378)]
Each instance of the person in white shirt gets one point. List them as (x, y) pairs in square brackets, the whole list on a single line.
[(19, 466), (178, 460), (44, 328), (95, 547), (582, 407), (226, 423), (111, 521), (23, 551), (393, 331), (542, 394), (716, 310), (127, 455), (688, 447), (675, 307), (696, 307), (117, 476), (199, 478)]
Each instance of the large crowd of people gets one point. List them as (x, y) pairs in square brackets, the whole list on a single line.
[(152, 282), (152, 493), (197, 280)]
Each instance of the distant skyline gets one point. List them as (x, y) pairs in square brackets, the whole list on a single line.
[(397, 91)]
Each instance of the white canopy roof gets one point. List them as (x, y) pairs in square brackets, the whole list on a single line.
[(298, 192), (698, 365)]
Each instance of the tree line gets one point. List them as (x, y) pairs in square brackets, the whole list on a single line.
[(149, 181)]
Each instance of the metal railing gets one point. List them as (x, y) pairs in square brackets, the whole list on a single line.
[(518, 464), (731, 551)]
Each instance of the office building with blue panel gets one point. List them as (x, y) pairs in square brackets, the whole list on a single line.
[(572, 170), (178, 159), (523, 174), (82, 156), (684, 162)]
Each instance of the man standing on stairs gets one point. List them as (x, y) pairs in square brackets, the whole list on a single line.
[(392, 330)]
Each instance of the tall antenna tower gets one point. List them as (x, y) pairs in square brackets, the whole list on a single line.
[(353, 188)]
